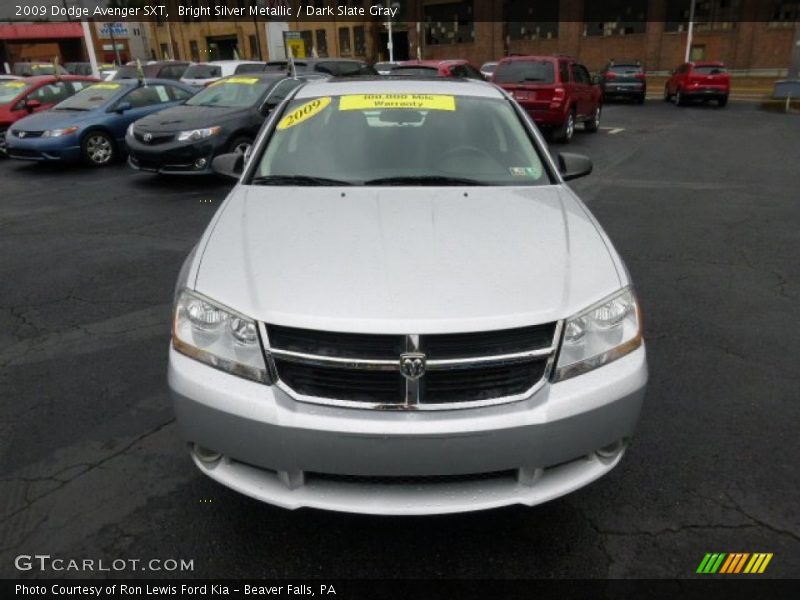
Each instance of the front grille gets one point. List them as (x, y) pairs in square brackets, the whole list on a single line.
[(156, 138), (386, 480), (26, 134), (369, 370)]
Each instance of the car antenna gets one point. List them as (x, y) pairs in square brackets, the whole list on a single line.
[(140, 73), (56, 74), (292, 68)]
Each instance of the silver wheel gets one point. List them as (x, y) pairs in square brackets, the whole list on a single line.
[(593, 124), (98, 149), (569, 128), (2, 142)]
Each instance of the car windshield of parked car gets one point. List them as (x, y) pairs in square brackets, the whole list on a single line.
[(91, 97), (400, 139), (525, 71), (709, 70), (625, 69), (11, 89), (416, 71), (203, 72), (232, 92)]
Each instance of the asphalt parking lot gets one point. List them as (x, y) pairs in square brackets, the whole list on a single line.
[(701, 202)]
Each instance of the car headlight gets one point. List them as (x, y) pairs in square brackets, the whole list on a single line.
[(59, 132), (198, 134), (600, 334), (130, 130), (218, 336)]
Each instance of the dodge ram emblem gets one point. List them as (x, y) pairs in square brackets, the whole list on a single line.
[(412, 365), (147, 137)]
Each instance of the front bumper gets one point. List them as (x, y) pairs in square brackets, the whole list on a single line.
[(293, 454), (174, 158), (44, 149)]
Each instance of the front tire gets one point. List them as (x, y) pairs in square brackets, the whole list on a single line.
[(680, 100), (640, 99), (667, 95), (722, 101), (98, 149), (564, 133), (593, 124)]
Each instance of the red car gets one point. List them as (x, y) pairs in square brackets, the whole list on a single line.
[(437, 68), (22, 97), (556, 91), (698, 81)]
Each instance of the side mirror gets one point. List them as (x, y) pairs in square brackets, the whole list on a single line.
[(32, 104), (123, 106), (230, 165), (573, 166), (268, 107)]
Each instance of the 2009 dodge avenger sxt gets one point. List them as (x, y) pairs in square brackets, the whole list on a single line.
[(401, 308)]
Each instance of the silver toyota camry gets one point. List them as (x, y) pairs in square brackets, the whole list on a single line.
[(401, 308)]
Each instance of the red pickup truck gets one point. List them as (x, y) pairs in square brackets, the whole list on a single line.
[(556, 91), (698, 81)]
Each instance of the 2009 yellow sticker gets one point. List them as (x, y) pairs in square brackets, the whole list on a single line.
[(241, 80), (416, 101), (105, 86), (304, 112), (15, 84)]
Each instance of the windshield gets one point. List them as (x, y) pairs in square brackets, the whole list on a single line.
[(203, 72), (233, 92), (400, 139), (11, 89), (92, 97), (525, 71), (625, 69), (416, 71), (489, 67)]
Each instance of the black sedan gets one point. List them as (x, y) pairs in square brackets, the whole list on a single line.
[(223, 117)]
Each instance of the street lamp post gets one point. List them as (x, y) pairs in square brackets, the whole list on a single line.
[(689, 33)]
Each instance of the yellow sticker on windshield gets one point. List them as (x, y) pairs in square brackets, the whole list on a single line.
[(304, 112), (244, 80), (417, 101), (15, 84), (105, 86)]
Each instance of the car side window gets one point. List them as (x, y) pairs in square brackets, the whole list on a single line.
[(50, 93), (563, 70), (472, 72), (77, 86), (177, 93), (458, 71), (583, 73), (147, 96), (281, 90), (172, 72)]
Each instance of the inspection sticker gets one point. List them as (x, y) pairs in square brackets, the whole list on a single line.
[(304, 112), (533, 172), (417, 101), (105, 86)]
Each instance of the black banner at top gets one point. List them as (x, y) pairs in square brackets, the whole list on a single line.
[(607, 12)]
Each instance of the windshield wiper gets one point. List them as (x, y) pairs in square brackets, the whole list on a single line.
[(296, 180), (69, 108), (424, 180)]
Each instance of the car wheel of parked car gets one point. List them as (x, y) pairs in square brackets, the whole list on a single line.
[(98, 149), (564, 133), (593, 124), (241, 145), (640, 99), (679, 99), (667, 95), (722, 101)]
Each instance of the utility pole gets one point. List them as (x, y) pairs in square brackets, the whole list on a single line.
[(794, 64), (689, 34), (390, 43)]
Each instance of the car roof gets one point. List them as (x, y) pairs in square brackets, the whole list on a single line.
[(40, 79), (538, 57), (399, 85), (231, 62), (708, 63), (432, 62)]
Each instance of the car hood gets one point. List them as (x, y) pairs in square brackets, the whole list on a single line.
[(179, 118), (55, 119), (406, 259)]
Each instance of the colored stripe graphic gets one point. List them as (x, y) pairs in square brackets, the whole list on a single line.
[(734, 563)]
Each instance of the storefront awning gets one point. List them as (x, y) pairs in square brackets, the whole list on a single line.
[(40, 31)]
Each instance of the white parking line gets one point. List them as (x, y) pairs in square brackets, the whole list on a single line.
[(613, 130)]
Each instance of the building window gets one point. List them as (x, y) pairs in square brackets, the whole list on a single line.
[(532, 20), (194, 50), (344, 41), (449, 23), (254, 49), (709, 15), (164, 52), (308, 41), (785, 13), (360, 41), (614, 17), (697, 52), (322, 42)]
